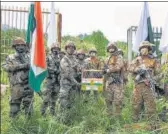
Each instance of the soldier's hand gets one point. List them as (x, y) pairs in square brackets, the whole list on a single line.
[(78, 84), (139, 60), (24, 66)]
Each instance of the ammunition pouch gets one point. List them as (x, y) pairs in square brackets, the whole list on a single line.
[(114, 78)]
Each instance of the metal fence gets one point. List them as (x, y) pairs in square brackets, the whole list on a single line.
[(157, 33), (14, 22)]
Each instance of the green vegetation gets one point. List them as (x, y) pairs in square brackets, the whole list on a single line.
[(90, 118), (87, 118)]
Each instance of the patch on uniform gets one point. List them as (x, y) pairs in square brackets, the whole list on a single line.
[(149, 62), (112, 60)]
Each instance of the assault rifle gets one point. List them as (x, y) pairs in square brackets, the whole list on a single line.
[(144, 73)]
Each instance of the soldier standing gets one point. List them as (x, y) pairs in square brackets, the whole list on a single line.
[(68, 84), (142, 92), (17, 66), (92, 63), (52, 81), (114, 89)]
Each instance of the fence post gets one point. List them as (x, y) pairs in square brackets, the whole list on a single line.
[(129, 39), (59, 27)]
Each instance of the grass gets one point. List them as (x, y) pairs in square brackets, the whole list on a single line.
[(86, 118)]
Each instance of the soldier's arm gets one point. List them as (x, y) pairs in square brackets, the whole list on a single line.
[(65, 67), (157, 71), (133, 67), (117, 66), (10, 67), (50, 65)]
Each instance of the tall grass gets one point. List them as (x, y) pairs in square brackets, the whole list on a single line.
[(86, 118)]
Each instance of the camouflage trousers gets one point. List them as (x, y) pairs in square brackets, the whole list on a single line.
[(67, 96), (50, 96), (143, 94), (114, 97), (21, 94)]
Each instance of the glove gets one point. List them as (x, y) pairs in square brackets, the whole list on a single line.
[(141, 71)]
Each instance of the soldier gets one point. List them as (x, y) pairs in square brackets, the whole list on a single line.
[(52, 80), (113, 91), (142, 92), (17, 66), (68, 84), (92, 63), (61, 54)]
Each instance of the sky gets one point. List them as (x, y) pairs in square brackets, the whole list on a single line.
[(112, 18)]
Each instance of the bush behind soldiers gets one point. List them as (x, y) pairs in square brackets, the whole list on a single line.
[(17, 67)]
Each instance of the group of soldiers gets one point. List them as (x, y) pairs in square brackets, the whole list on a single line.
[(63, 81)]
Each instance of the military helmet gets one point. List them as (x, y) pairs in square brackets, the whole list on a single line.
[(81, 51), (112, 45), (55, 45), (120, 52), (18, 41), (70, 44), (145, 44), (93, 50)]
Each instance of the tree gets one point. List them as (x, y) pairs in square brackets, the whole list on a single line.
[(99, 40)]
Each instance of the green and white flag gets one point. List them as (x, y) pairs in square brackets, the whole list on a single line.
[(144, 31)]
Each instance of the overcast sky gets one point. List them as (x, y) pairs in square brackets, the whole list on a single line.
[(112, 18)]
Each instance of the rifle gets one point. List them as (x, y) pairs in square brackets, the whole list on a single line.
[(144, 73)]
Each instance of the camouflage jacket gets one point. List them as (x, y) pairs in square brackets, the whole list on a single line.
[(17, 68), (92, 64), (69, 68), (149, 62), (53, 66), (115, 64)]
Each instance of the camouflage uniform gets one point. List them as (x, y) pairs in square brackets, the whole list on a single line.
[(17, 67), (52, 81), (92, 63), (114, 89), (124, 70), (61, 54), (68, 83), (142, 92), (81, 63)]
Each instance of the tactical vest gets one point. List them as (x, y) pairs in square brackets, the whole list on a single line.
[(114, 77), (72, 63), (93, 63), (149, 63), (54, 63), (19, 76)]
